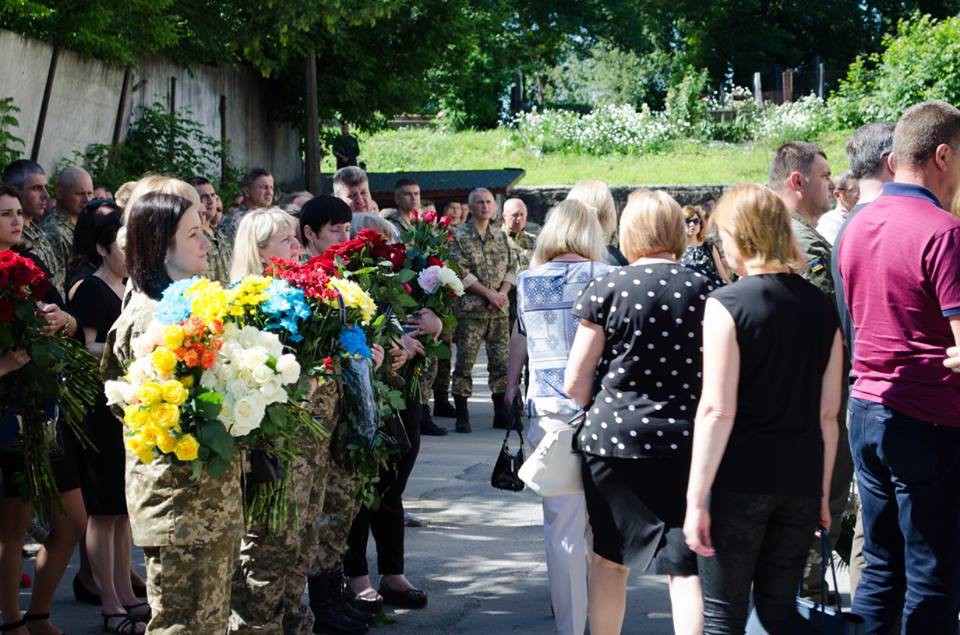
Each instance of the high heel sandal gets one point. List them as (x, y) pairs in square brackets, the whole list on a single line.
[(126, 626), (12, 626), (130, 608)]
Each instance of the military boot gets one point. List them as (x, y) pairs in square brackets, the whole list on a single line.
[(501, 420), (463, 417), (328, 616), (441, 405), (427, 425)]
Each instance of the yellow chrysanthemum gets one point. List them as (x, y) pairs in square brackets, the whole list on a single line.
[(208, 300), (173, 337), (251, 292), (164, 361), (174, 392), (149, 393), (354, 297), (187, 448)]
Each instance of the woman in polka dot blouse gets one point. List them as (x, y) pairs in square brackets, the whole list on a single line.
[(635, 365)]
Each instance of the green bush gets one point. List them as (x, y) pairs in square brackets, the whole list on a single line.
[(919, 63), (8, 141), (162, 143)]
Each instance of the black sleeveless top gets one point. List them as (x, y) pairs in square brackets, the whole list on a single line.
[(785, 330)]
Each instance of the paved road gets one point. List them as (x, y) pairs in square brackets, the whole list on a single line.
[(480, 558)]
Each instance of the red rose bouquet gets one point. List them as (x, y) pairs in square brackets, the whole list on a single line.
[(61, 381)]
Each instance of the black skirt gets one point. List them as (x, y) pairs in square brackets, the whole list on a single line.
[(63, 462), (636, 509), (101, 467)]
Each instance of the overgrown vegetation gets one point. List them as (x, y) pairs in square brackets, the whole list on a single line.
[(10, 144)]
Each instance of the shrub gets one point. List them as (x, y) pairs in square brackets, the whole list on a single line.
[(800, 120), (8, 141), (919, 63), (608, 129)]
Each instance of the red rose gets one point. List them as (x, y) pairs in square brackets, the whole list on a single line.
[(433, 260), (429, 216), (445, 222), (414, 216), (407, 288)]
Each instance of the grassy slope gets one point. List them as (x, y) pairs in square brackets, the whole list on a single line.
[(687, 163)]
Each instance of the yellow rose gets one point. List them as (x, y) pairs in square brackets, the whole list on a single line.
[(187, 448), (165, 415), (131, 417), (173, 337), (166, 442), (164, 361), (149, 393), (146, 456), (174, 392), (135, 444), (148, 437)]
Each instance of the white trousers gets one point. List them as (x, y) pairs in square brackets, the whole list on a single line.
[(569, 544)]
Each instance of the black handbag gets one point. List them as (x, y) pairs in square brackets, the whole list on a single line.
[(826, 619), (505, 471)]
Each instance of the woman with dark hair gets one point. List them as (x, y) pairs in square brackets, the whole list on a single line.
[(97, 298), (701, 254), (189, 527), (84, 242), (66, 522)]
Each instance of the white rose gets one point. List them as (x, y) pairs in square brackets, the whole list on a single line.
[(273, 392), (247, 414), (288, 368), (270, 342), (140, 371), (248, 337), (116, 392), (450, 280), (253, 357), (209, 380), (263, 374), (237, 388)]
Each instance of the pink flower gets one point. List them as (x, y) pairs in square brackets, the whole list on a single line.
[(429, 279)]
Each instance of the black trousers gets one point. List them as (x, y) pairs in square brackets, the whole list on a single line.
[(386, 522), (760, 540)]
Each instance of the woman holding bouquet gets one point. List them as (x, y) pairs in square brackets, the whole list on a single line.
[(66, 524), (188, 525), (269, 580)]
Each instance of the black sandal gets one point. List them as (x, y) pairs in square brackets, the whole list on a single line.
[(126, 625), (140, 618), (12, 626)]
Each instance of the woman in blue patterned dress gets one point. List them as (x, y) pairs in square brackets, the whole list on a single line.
[(567, 256)]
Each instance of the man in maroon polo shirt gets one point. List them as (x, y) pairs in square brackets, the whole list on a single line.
[(899, 259)]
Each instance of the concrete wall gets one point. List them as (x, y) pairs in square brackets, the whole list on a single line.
[(539, 199), (86, 94)]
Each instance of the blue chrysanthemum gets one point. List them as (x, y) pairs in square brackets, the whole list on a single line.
[(285, 308), (173, 306)]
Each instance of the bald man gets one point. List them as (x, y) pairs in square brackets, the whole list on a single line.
[(74, 189)]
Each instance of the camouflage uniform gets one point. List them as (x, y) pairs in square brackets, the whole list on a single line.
[(35, 241), (522, 243), (269, 581), (402, 224), (190, 529), (333, 525), (230, 222), (219, 256), (489, 260), (817, 254), (58, 229)]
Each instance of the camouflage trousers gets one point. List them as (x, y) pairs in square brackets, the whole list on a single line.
[(187, 587), (492, 330), (269, 581), (333, 525), (427, 379), (441, 382)]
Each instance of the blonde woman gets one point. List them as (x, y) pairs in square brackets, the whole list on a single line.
[(702, 255), (568, 254), (261, 235), (635, 368), (596, 195), (766, 425)]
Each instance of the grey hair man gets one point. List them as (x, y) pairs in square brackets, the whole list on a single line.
[(350, 185), (30, 181)]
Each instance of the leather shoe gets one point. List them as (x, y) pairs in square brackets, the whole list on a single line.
[(431, 429), (412, 598)]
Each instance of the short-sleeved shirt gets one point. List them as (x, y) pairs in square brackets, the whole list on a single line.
[(96, 306), (899, 259), (650, 371), (545, 298), (785, 329)]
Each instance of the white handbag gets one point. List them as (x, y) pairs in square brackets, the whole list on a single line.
[(553, 469)]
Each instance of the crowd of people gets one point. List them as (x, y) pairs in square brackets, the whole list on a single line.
[(727, 372)]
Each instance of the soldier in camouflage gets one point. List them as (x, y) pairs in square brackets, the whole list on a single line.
[(30, 181), (521, 241), (257, 192), (221, 250), (489, 269), (800, 174), (74, 190)]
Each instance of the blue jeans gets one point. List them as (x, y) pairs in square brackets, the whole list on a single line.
[(907, 472)]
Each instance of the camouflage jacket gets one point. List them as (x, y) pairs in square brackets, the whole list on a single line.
[(58, 230), (166, 506), (35, 241), (230, 222), (489, 260), (219, 256), (522, 243), (401, 223), (816, 254)]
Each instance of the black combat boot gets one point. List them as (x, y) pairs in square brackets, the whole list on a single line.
[(441, 405), (501, 420), (325, 592), (463, 417), (427, 425)]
